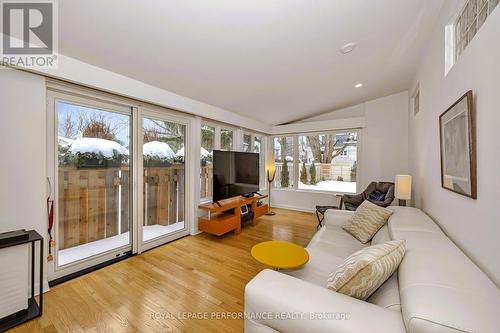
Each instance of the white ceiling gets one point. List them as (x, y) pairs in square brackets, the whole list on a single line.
[(276, 61)]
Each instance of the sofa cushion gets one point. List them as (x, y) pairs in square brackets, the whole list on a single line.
[(387, 295), (381, 236), (411, 219), (441, 289), (366, 221), (364, 271), (328, 249)]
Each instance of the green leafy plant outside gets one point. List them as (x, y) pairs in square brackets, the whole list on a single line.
[(303, 173), (312, 172), (285, 175)]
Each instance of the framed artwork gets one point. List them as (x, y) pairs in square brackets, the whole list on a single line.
[(458, 147)]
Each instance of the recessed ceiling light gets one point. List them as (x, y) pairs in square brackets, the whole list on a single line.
[(359, 85), (347, 48)]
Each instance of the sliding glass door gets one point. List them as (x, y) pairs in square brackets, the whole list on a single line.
[(164, 155), (93, 182), (117, 178)]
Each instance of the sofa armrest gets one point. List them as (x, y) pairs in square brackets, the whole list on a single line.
[(337, 218), (272, 297)]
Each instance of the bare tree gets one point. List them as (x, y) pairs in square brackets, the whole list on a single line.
[(285, 147), (68, 128), (333, 147), (165, 131)]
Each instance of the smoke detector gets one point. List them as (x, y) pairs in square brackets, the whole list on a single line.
[(348, 48)]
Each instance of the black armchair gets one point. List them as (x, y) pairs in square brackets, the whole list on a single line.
[(379, 193)]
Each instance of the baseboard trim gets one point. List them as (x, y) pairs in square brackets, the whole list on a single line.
[(296, 208), (89, 269)]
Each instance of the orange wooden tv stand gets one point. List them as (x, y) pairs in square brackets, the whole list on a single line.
[(227, 217)]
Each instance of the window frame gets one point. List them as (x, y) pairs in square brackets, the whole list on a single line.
[(217, 142), (295, 186), (262, 156), (233, 137), (237, 145), (454, 39)]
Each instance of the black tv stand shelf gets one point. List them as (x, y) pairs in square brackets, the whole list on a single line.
[(34, 309)]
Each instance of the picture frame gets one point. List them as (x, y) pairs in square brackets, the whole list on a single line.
[(457, 136)]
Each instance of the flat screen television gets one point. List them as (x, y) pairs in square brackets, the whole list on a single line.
[(235, 173)]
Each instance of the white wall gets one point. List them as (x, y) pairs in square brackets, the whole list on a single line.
[(76, 71), (23, 150), (383, 150), (473, 224), (385, 139)]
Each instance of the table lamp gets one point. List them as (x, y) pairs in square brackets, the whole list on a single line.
[(403, 189)]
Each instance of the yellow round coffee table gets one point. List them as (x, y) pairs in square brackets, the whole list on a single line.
[(280, 255)]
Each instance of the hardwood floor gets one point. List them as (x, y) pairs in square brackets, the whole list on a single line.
[(161, 289)]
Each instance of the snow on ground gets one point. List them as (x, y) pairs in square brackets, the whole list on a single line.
[(83, 251), (330, 185), (157, 149), (94, 145)]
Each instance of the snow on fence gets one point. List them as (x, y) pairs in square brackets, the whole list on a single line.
[(95, 203)]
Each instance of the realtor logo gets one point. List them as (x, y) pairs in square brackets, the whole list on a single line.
[(29, 33)]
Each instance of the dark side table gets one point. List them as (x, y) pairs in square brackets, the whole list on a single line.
[(321, 210), (34, 309)]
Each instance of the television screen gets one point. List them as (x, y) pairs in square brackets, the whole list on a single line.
[(235, 173)]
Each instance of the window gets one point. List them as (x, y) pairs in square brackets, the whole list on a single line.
[(93, 171), (257, 144), (247, 142), (207, 148), (213, 136), (469, 21), (283, 159), (164, 175), (226, 139), (328, 162)]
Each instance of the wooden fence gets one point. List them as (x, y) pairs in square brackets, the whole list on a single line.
[(206, 179), (164, 195), (96, 203)]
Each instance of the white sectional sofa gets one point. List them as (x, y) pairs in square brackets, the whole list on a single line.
[(437, 288)]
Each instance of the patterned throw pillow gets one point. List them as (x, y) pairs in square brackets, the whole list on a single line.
[(377, 196), (363, 272), (366, 221)]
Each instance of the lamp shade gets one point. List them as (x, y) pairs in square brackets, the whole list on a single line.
[(403, 187), (270, 166)]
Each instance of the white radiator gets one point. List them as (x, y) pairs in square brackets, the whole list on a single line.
[(14, 279)]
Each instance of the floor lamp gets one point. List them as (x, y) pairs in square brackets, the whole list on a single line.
[(271, 173)]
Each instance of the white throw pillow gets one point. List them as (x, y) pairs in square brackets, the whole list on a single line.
[(363, 272), (366, 221)]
